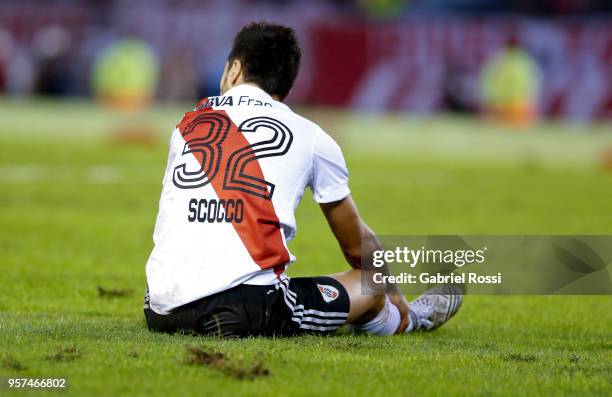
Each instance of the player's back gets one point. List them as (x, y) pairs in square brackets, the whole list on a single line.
[(237, 169)]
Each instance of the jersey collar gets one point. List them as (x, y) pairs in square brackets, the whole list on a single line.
[(255, 92), (249, 89)]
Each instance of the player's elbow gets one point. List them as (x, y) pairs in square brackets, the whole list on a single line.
[(353, 255), (358, 251)]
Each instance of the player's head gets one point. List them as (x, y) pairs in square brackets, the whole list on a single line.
[(264, 54)]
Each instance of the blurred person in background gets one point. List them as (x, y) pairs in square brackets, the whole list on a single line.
[(457, 97), (510, 86), (6, 47), (126, 75), (53, 64), (16, 66)]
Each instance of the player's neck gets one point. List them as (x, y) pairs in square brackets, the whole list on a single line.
[(275, 97)]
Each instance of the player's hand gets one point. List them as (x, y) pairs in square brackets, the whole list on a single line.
[(399, 300)]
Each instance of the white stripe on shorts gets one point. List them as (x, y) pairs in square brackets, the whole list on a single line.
[(311, 319)]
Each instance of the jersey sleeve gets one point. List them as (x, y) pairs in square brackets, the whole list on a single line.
[(329, 181)]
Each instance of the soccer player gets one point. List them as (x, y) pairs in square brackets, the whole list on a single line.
[(238, 166)]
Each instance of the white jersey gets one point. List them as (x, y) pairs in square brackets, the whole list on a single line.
[(237, 169)]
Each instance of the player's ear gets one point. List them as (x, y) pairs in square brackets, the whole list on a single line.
[(235, 74), (223, 80)]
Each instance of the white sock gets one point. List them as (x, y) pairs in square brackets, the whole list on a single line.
[(412, 320), (385, 322)]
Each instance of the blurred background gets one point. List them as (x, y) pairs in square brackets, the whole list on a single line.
[(516, 60)]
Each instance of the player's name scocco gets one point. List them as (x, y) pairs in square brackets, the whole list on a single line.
[(215, 211), (493, 264)]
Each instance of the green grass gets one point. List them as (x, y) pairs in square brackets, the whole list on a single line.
[(76, 213)]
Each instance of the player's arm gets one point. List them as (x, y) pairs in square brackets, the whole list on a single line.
[(356, 239), (358, 242), (329, 183)]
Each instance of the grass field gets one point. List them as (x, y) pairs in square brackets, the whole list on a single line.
[(77, 213)]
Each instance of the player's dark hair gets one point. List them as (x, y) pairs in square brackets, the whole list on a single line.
[(270, 55)]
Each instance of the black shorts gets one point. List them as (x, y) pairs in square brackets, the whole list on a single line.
[(300, 305)]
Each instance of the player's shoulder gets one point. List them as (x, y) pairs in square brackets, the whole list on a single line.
[(305, 122), (319, 134), (320, 140)]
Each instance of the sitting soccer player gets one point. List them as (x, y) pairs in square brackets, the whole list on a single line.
[(238, 166)]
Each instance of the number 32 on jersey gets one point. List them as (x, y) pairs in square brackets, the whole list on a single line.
[(209, 131)]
